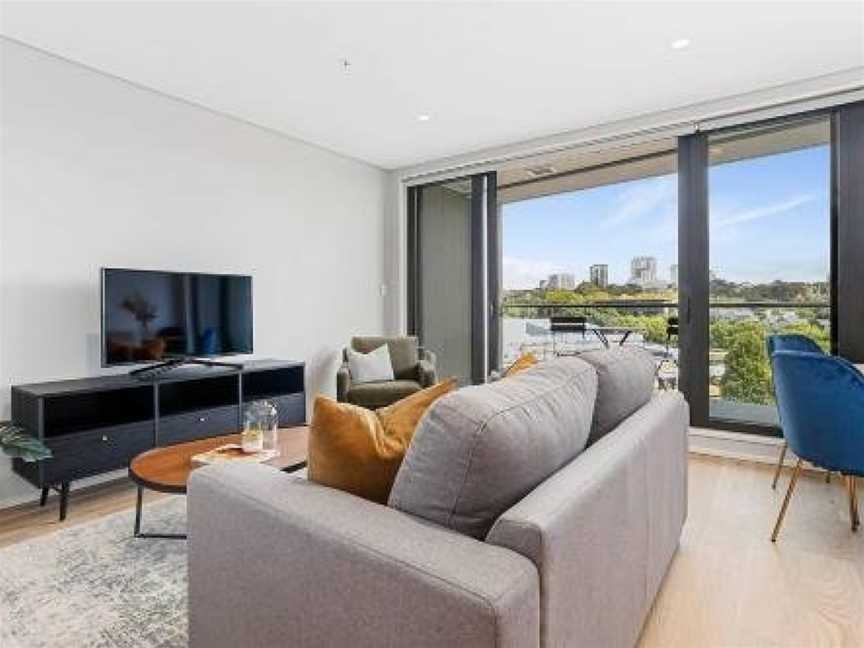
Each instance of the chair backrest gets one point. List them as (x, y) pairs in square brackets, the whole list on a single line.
[(791, 342), (404, 354), (568, 323), (671, 326), (821, 402)]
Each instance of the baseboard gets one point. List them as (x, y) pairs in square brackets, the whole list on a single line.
[(29, 498), (736, 445)]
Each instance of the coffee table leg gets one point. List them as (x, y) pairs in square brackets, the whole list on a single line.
[(139, 501)]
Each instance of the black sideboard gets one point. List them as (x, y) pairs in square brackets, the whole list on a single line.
[(97, 425)]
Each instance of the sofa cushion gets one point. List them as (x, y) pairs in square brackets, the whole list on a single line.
[(359, 451), (381, 394), (625, 382), (404, 354), (481, 449)]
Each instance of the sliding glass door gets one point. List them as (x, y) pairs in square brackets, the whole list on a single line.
[(769, 256), (756, 245), (452, 258)]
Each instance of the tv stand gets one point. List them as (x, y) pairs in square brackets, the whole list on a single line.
[(156, 370), (98, 425)]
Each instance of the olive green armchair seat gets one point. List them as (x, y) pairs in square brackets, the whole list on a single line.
[(413, 370)]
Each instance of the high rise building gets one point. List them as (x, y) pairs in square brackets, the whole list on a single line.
[(673, 274), (599, 274), (643, 271), (561, 281)]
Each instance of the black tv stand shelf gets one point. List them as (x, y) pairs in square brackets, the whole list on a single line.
[(97, 425)]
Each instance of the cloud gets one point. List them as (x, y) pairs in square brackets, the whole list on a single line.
[(527, 273), (747, 215), (642, 198)]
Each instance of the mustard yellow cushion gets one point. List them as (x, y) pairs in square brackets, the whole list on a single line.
[(523, 362), (359, 450)]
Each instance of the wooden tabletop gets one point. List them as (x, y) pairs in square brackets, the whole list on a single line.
[(167, 469)]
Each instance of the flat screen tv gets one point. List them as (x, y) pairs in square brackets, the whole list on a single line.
[(154, 316)]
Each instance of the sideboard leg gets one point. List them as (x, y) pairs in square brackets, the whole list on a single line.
[(64, 499), (44, 497)]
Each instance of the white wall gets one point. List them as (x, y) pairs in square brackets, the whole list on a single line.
[(97, 172)]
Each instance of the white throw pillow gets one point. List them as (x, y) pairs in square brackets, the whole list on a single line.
[(370, 367)]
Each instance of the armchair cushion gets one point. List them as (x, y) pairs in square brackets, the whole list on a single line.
[(404, 352), (380, 394)]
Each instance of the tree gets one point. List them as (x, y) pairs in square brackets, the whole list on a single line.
[(748, 376)]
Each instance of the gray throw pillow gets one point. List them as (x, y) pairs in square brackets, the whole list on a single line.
[(479, 450), (625, 382)]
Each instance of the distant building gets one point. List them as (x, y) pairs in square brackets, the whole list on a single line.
[(561, 281), (643, 271), (599, 273), (673, 274), (543, 284)]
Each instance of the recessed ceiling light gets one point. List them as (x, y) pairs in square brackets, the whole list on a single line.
[(681, 43), (423, 117)]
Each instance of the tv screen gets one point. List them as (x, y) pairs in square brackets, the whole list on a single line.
[(151, 316)]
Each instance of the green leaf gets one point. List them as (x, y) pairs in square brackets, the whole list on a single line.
[(16, 443)]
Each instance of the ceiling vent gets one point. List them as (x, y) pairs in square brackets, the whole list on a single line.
[(540, 171)]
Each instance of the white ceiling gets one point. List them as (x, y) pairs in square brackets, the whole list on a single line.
[(487, 73)]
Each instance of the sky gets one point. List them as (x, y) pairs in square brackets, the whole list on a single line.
[(768, 220)]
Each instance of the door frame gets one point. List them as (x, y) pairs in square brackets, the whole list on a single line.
[(484, 279)]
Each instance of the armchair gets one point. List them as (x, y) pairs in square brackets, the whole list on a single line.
[(413, 370), (821, 403)]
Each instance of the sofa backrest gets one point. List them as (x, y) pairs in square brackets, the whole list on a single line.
[(625, 382), (479, 450), (404, 355)]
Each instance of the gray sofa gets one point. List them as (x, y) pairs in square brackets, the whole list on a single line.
[(275, 560)]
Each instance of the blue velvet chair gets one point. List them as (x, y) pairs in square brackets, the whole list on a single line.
[(789, 342), (821, 403)]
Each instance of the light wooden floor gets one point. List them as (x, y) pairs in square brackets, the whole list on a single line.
[(728, 585)]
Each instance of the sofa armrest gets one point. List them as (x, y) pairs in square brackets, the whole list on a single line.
[(427, 374), (343, 382), (603, 530), (277, 560)]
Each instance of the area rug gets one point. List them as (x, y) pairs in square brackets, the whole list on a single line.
[(94, 585)]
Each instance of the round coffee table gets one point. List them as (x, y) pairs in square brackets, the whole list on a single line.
[(167, 469)]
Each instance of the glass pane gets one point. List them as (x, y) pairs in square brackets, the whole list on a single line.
[(445, 276), (769, 228), (596, 240)]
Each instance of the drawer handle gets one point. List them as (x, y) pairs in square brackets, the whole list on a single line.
[(202, 419), (104, 438)]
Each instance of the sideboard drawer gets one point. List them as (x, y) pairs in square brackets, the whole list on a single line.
[(291, 408), (197, 425), (96, 451)]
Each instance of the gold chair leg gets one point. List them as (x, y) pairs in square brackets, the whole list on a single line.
[(795, 474), (779, 465)]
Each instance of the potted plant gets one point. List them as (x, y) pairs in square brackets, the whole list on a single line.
[(16, 443)]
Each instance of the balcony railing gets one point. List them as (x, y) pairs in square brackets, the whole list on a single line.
[(739, 374)]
